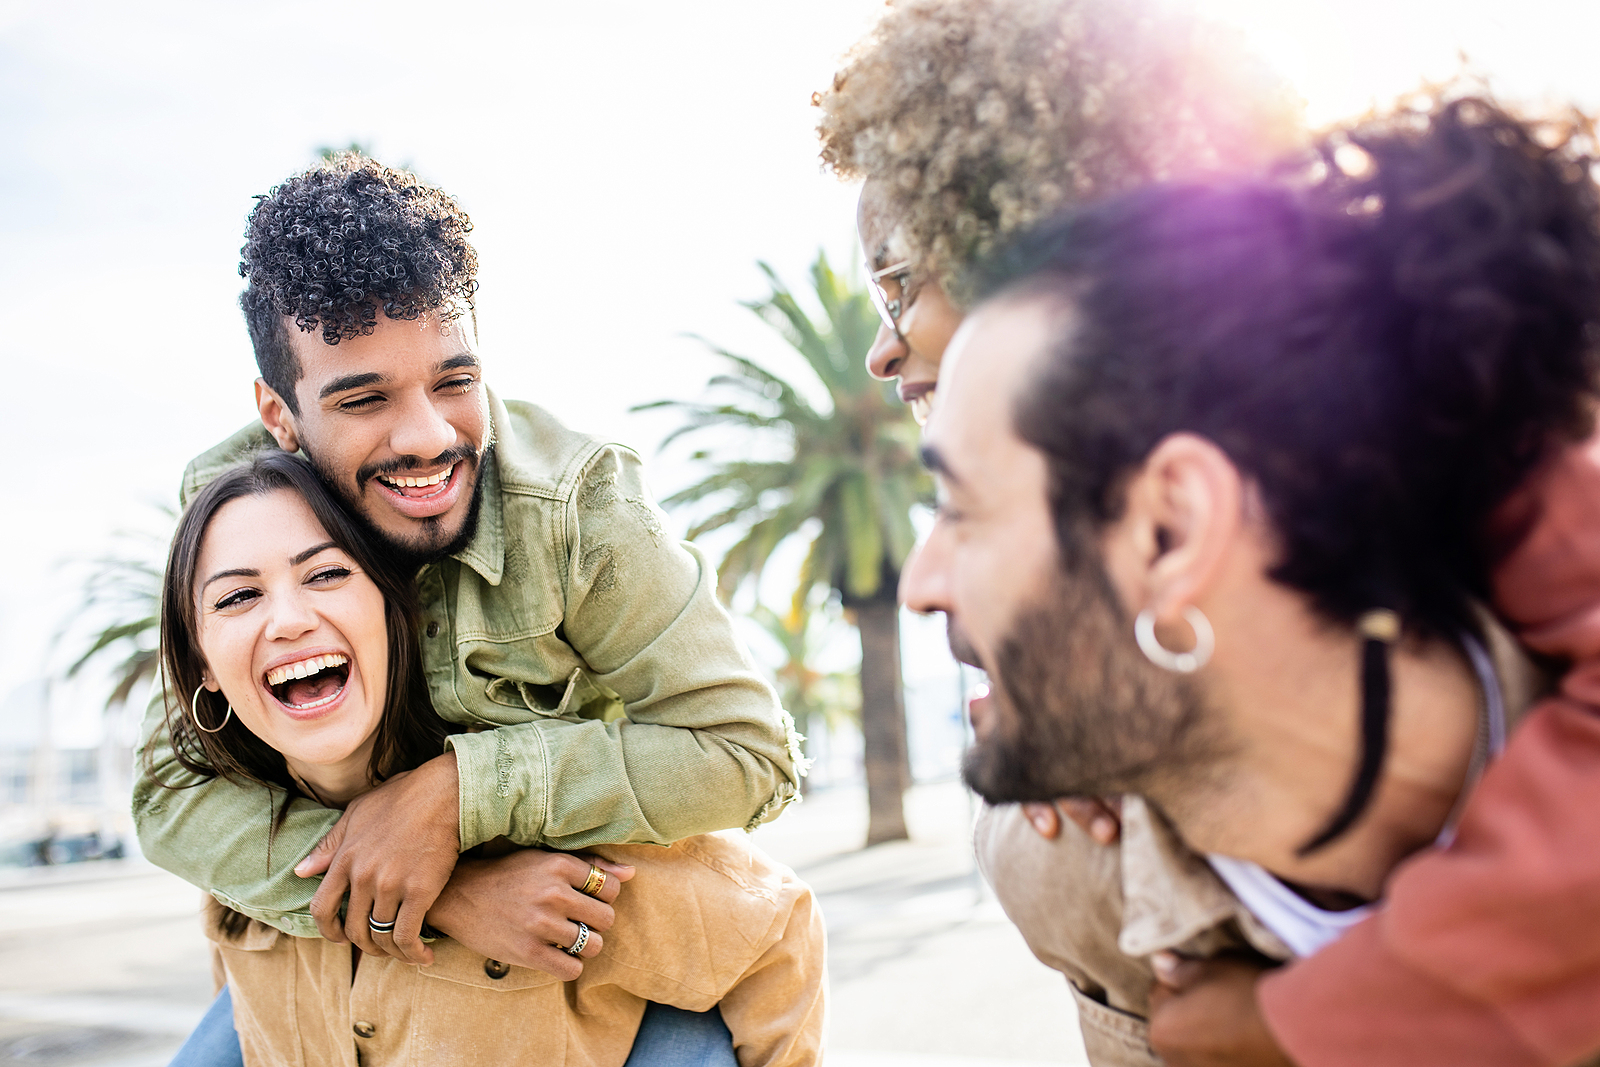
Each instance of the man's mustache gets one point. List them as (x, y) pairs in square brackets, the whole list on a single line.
[(410, 463), (960, 647)]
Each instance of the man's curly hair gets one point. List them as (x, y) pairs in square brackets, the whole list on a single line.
[(333, 245), (1386, 350), (976, 118)]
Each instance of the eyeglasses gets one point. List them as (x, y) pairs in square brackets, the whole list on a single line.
[(888, 291)]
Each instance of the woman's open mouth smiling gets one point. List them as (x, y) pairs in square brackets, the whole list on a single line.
[(311, 686)]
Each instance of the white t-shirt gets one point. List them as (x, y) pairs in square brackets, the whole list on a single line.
[(1302, 925)]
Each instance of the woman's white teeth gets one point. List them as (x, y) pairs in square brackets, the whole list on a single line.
[(305, 668), (418, 483)]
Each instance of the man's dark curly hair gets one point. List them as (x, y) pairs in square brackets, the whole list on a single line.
[(1386, 342), (332, 246)]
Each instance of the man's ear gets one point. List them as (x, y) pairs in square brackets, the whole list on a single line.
[(1182, 516), (276, 417)]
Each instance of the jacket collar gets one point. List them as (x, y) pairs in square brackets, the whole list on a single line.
[(486, 552)]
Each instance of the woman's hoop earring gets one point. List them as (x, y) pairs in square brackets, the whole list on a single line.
[(1205, 642), (194, 712)]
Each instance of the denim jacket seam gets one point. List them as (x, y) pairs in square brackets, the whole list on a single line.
[(497, 637), (544, 784), (511, 487)]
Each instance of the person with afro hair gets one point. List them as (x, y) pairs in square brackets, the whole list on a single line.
[(969, 120)]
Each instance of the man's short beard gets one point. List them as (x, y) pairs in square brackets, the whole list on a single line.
[(407, 556), (1080, 711)]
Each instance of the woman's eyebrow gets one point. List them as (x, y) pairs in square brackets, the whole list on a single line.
[(312, 551), (237, 572), (251, 572)]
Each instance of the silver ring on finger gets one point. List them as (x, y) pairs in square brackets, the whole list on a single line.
[(381, 928), (582, 943)]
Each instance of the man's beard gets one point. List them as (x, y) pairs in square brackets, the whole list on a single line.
[(1080, 711), (412, 554)]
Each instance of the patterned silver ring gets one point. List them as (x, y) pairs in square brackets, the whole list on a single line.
[(579, 945), (381, 928)]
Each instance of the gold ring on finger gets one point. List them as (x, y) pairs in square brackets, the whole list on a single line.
[(594, 883)]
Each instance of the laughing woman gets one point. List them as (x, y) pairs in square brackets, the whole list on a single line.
[(300, 651)]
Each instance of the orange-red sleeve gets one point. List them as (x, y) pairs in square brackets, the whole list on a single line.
[(1487, 952)]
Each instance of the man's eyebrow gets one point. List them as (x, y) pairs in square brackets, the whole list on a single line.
[(934, 460), (312, 551), (465, 359), (350, 381)]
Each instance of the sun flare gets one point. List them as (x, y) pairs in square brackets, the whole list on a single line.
[(1346, 56)]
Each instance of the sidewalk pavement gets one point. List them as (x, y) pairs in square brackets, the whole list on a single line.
[(103, 964)]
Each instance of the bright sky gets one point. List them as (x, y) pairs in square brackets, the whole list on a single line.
[(625, 165), (1346, 55)]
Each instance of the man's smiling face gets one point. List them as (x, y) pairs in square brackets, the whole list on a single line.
[(397, 422), (1075, 708)]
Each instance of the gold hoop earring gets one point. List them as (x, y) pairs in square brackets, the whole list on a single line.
[(194, 712), (1144, 632)]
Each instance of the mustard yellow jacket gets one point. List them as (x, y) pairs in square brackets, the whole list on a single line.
[(710, 920)]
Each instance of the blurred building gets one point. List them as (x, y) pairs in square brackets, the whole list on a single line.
[(65, 775)]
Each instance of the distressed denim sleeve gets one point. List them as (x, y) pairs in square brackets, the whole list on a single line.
[(703, 745), (218, 834)]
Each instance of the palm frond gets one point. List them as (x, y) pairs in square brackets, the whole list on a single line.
[(863, 539), (120, 608), (139, 667), (852, 470), (122, 631)]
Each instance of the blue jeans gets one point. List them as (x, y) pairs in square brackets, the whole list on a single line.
[(214, 1042), (668, 1037), (672, 1037)]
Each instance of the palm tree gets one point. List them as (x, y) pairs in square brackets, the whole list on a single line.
[(122, 601), (846, 475), (817, 700), (117, 623)]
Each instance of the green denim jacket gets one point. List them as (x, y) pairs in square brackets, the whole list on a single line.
[(627, 709)]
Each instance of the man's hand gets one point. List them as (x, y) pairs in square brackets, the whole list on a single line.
[(1100, 819), (1203, 1013), (523, 908), (392, 851)]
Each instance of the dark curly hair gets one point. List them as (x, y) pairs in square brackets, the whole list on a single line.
[(332, 246), (1386, 341)]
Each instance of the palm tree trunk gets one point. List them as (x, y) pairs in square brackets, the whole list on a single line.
[(883, 718)]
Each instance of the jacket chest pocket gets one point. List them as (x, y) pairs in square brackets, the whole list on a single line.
[(455, 965), (581, 698), (525, 696), (470, 1010)]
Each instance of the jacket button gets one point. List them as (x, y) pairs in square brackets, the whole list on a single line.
[(495, 969), (364, 1029), (433, 629)]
